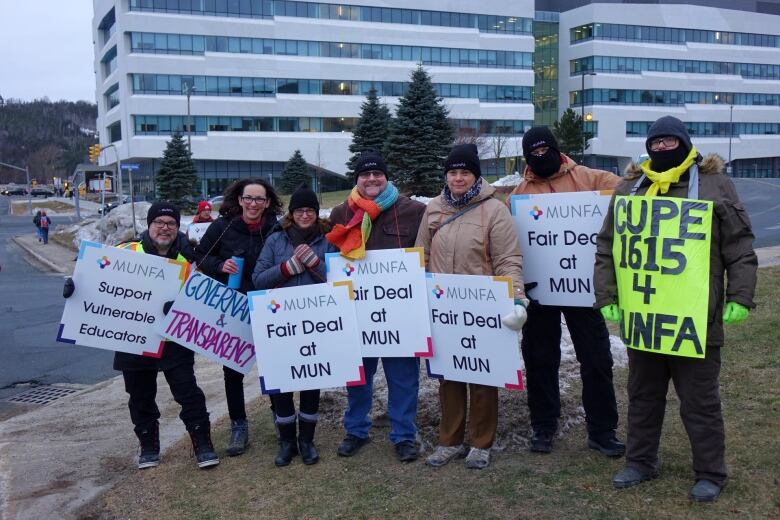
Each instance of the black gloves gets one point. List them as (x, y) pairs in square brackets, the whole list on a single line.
[(68, 288)]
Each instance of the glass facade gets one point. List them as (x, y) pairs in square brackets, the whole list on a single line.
[(187, 44), (354, 13), (109, 62), (268, 87), (107, 26), (709, 129), (762, 167), (111, 96), (546, 69), (643, 33), (114, 132), (606, 96), (628, 65)]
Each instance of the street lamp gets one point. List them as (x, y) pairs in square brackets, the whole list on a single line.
[(187, 89), (26, 171), (582, 112), (731, 133)]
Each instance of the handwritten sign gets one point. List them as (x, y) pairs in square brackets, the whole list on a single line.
[(470, 342), (119, 299), (307, 337), (661, 252), (389, 292), (557, 233), (211, 319), (196, 231)]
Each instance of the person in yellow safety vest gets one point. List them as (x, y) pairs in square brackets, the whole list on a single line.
[(177, 363)]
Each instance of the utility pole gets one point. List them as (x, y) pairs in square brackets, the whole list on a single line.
[(582, 112), (187, 88), (729, 170)]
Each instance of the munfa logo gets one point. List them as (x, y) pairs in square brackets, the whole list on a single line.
[(437, 291), (536, 212), (457, 165), (273, 306), (103, 262), (348, 269)]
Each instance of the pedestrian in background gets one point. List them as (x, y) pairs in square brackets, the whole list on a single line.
[(37, 222), (203, 214), (44, 223)]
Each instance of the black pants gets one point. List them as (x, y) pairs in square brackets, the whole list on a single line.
[(141, 385), (234, 392), (284, 406), (697, 386), (542, 355)]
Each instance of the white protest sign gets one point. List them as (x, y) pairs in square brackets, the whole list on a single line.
[(119, 298), (557, 233), (306, 337), (196, 231), (471, 344), (390, 299), (211, 319)]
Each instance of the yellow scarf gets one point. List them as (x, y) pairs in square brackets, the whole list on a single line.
[(662, 180)]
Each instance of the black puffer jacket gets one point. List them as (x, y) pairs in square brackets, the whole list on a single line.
[(173, 353), (228, 237)]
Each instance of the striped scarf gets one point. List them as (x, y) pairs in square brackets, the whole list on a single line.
[(351, 239)]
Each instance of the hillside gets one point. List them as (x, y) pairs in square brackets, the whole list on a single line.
[(49, 137)]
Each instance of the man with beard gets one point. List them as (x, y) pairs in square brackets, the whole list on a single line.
[(550, 171)]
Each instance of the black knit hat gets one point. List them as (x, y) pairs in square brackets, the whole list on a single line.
[(304, 197), (370, 160), (464, 156), (163, 209), (669, 125), (536, 137)]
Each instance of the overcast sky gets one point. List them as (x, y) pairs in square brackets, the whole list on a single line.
[(46, 50)]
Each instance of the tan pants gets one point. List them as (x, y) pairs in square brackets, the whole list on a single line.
[(483, 414)]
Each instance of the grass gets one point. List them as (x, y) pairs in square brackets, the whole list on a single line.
[(572, 482), (52, 205)]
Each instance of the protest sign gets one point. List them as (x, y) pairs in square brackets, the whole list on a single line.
[(470, 342), (390, 300), (306, 337), (211, 319), (119, 298), (557, 233), (196, 231), (661, 252)]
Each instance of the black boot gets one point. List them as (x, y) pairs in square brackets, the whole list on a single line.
[(202, 446), (306, 446), (149, 438), (287, 445)]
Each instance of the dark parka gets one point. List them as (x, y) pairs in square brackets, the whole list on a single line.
[(232, 238), (278, 249), (396, 227), (173, 353), (731, 248)]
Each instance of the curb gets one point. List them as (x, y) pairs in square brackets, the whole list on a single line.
[(51, 265)]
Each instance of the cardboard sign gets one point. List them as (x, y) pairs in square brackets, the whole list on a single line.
[(557, 233), (390, 299), (470, 342), (661, 251), (119, 299), (211, 319), (196, 231), (307, 337)]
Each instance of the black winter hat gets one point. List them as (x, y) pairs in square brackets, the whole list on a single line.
[(536, 137), (163, 208), (464, 156), (370, 160), (304, 197), (669, 125)]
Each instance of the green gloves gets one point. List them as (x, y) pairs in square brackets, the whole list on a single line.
[(611, 312), (734, 313)]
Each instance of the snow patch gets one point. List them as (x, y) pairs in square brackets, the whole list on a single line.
[(509, 180)]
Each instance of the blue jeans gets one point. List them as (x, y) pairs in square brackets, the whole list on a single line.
[(403, 384)]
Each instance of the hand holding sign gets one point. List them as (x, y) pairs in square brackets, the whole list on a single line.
[(735, 313)]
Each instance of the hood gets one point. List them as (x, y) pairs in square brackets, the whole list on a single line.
[(710, 164), (566, 166)]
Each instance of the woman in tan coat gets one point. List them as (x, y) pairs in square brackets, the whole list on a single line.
[(465, 230)]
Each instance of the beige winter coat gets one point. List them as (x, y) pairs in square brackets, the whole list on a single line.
[(481, 241)]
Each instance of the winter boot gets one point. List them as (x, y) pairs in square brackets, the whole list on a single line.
[(287, 445), (239, 437), (306, 446), (149, 455), (202, 446)]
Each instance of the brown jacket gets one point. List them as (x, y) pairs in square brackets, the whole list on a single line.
[(570, 177), (396, 227), (481, 241), (731, 248)]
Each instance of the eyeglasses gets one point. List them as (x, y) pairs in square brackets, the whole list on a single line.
[(253, 200), (668, 142), (540, 151), (304, 211), (165, 224), (371, 173)]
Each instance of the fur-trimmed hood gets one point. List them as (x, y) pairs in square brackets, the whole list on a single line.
[(710, 164)]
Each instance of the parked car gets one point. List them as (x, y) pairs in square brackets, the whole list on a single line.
[(41, 192), (113, 204), (14, 191)]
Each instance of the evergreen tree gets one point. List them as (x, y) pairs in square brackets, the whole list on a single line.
[(568, 132), (371, 131), (420, 138), (177, 179), (295, 172)]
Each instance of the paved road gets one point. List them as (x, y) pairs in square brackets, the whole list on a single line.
[(761, 197), (30, 310)]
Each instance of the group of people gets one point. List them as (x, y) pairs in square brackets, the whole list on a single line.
[(464, 230)]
